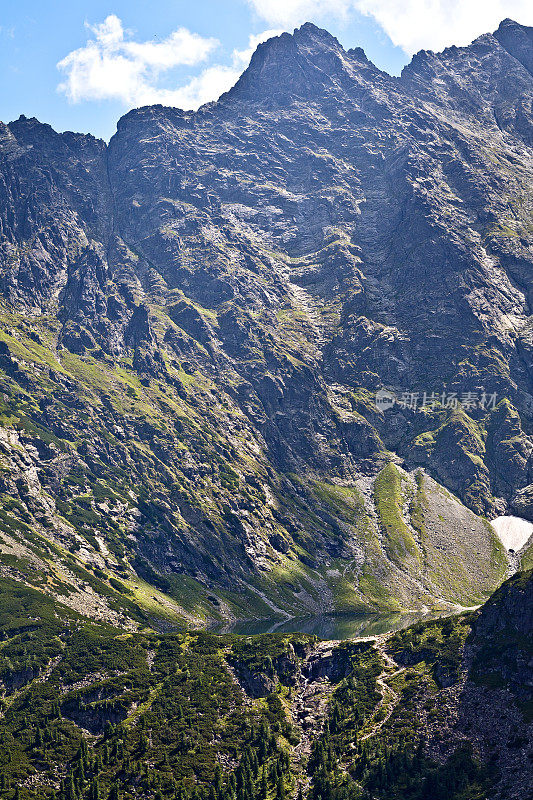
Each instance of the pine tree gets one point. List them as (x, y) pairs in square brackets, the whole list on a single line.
[(218, 778), (264, 783), (71, 792), (38, 738)]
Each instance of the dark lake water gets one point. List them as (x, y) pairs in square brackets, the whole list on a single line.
[(329, 626)]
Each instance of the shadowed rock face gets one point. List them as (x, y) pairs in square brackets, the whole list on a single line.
[(509, 611), (256, 271)]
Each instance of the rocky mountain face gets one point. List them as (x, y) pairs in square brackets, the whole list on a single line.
[(196, 319)]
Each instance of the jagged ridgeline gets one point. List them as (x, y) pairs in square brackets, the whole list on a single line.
[(195, 320), (439, 711)]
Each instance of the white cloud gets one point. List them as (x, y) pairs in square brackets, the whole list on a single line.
[(207, 86), (289, 13), (411, 24), (216, 80), (435, 24), (241, 58), (113, 66)]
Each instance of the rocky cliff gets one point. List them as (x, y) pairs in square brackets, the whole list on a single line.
[(196, 319)]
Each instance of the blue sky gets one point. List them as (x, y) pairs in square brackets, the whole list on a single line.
[(81, 65)]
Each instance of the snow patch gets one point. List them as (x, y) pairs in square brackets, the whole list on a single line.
[(513, 532)]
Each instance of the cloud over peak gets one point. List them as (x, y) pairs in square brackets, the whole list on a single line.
[(113, 66), (411, 24)]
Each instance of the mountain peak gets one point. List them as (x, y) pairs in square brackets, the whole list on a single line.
[(312, 34), (511, 24), (518, 41), (289, 65)]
